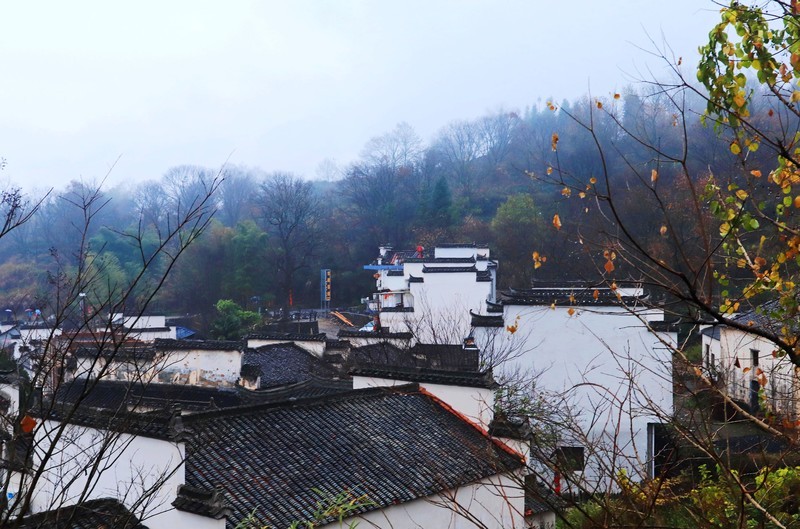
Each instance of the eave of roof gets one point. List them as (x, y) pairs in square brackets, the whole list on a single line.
[(435, 376), (287, 336), (192, 345)]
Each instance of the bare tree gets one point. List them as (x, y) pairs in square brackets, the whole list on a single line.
[(460, 145), (290, 213), (236, 195), (396, 149), (49, 461)]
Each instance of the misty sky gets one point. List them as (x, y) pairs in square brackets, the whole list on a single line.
[(285, 85)]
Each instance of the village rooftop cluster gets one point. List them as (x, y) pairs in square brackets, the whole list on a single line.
[(410, 415)]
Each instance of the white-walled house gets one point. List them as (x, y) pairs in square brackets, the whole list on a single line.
[(407, 458), (193, 362), (431, 295), (144, 328), (750, 368), (603, 355)]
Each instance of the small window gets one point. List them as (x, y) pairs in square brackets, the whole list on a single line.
[(754, 357)]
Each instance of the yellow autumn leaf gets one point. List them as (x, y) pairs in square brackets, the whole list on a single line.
[(571, 311), (566, 192), (593, 180), (756, 173), (797, 201), (582, 194), (549, 170), (596, 294), (616, 96), (557, 221), (795, 96), (609, 266), (554, 141), (663, 230), (653, 176), (599, 104), (741, 194), (735, 149)]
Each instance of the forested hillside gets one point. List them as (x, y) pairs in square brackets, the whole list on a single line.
[(490, 180)]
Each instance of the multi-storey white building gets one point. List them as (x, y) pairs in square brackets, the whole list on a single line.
[(750, 368), (430, 294), (601, 355)]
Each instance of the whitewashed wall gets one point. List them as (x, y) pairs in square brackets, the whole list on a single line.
[(735, 346), (131, 465), (601, 365), (493, 503), (197, 367), (476, 404)]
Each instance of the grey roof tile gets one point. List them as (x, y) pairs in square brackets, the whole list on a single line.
[(392, 445)]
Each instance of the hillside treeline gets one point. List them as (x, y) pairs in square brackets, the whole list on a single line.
[(500, 179)]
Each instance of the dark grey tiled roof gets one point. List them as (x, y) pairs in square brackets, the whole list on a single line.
[(435, 356), (392, 445), (768, 317), (397, 309), (447, 269), (573, 295), (207, 345), (425, 374), (346, 333), (538, 499), (93, 514), (712, 332), (412, 279), (510, 427), (209, 503), (284, 363), (119, 395), (459, 245), (494, 307), (481, 320), (483, 276), (310, 388), (441, 260), (158, 425), (286, 336), (395, 273), (121, 353)]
